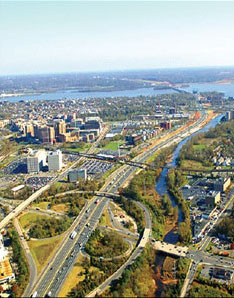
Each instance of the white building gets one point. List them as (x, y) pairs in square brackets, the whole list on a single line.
[(36, 161), (55, 162), (3, 251)]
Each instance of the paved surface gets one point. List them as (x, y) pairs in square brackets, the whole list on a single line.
[(63, 261), (31, 262), (37, 193), (180, 251), (201, 256)]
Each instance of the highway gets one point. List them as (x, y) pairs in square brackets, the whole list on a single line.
[(54, 277), (37, 193)]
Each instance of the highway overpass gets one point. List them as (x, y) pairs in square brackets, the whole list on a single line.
[(179, 251)]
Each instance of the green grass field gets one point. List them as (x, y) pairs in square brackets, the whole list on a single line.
[(113, 145), (29, 218), (79, 149), (41, 205), (199, 147), (193, 164), (42, 250)]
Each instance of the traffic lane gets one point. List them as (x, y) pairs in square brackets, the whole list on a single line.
[(80, 242), (60, 256), (130, 171)]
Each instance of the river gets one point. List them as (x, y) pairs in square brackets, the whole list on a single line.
[(161, 185), (75, 94), (161, 188), (227, 89)]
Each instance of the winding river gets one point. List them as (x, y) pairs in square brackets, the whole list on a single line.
[(161, 185), (161, 188)]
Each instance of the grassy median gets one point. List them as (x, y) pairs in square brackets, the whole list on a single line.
[(42, 250)]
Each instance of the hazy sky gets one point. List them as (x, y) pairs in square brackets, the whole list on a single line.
[(64, 36)]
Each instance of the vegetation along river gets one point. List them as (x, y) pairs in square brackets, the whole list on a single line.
[(161, 185), (161, 188)]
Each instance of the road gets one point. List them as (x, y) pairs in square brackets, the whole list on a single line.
[(37, 193), (53, 277), (31, 262), (201, 256)]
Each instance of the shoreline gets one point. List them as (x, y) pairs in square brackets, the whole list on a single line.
[(157, 87)]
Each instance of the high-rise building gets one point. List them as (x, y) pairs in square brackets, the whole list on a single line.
[(55, 162), (45, 134), (166, 125), (93, 123), (36, 161), (75, 174), (77, 123), (60, 128), (29, 130)]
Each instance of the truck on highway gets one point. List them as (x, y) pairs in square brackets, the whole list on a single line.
[(34, 294), (73, 234)]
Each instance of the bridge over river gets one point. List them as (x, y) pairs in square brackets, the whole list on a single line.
[(179, 251)]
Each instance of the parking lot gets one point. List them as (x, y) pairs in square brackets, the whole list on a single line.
[(70, 157), (37, 182), (96, 167), (15, 167), (218, 274)]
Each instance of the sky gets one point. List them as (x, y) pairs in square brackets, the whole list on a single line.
[(77, 36)]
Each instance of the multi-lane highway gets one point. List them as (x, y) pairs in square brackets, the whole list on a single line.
[(55, 274), (37, 193)]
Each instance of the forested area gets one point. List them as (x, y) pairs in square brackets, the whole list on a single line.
[(182, 265), (126, 108), (95, 272), (175, 180), (49, 227), (226, 226), (22, 274), (105, 244), (200, 148), (142, 188), (205, 287), (137, 280), (132, 210)]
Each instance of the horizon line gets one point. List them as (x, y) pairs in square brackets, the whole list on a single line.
[(116, 70)]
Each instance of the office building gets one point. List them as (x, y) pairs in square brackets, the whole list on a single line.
[(45, 134), (93, 123), (36, 161), (60, 128), (75, 174), (166, 125), (77, 123), (212, 199), (29, 130), (55, 162)]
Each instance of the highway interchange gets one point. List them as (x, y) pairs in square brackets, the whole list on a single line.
[(53, 276)]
